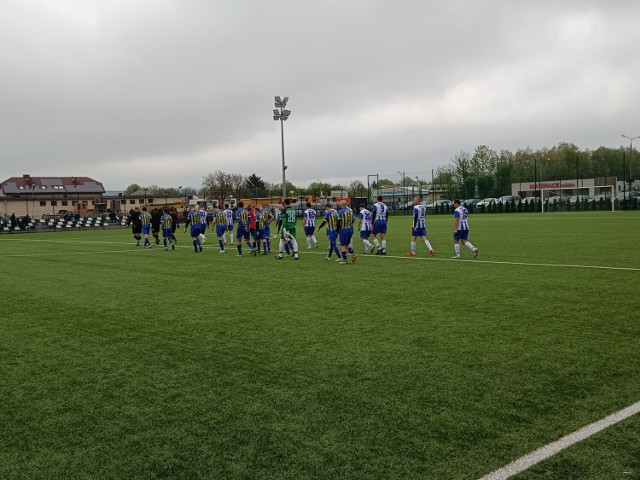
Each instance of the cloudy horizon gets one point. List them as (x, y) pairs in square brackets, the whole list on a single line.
[(165, 92)]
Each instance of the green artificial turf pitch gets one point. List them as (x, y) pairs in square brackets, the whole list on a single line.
[(120, 362)]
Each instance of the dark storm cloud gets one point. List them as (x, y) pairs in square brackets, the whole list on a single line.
[(165, 91)]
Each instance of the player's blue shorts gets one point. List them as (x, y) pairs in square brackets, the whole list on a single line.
[(379, 226), (195, 230), (167, 232), (419, 232), (461, 235), (230, 227), (365, 234), (240, 234), (345, 236), (220, 229), (308, 231), (267, 231), (332, 235), (146, 229), (258, 234)]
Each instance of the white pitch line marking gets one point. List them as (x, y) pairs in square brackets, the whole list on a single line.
[(431, 259), (493, 262), (53, 254), (537, 456)]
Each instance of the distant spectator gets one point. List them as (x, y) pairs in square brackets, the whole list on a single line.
[(13, 220)]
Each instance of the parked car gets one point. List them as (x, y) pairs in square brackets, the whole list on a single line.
[(562, 200), (628, 195), (486, 202), (438, 203), (508, 198), (601, 196), (579, 198), (471, 202), (534, 200)]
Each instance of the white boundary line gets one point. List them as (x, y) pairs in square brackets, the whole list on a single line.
[(53, 254), (553, 448), (492, 262)]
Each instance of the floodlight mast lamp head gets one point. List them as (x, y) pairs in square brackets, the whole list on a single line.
[(279, 113)]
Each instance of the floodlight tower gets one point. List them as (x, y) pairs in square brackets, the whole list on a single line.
[(279, 113)]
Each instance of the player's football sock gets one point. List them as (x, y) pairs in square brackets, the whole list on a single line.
[(384, 244), (376, 242), (239, 249), (269, 244), (428, 244), (314, 240), (413, 246), (195, 245), (286, 247), (294, 245), (249, 245), (457, 249), (469, 246), (155, 235), (308, 242), (221, 243), (164, 240), (350, 249), (231, 238)]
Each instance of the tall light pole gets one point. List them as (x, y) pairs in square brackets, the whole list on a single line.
[(279, 113), (630, 154)]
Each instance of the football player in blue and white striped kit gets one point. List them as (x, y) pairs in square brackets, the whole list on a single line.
[(380, 211), (310, 226), (419, 228), (461, 230), (229, 213), (203, 222), (364, 223)]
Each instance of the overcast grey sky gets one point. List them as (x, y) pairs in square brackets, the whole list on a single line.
[(164, 92)]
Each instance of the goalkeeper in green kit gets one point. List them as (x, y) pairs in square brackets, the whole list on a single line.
[(288, 230)]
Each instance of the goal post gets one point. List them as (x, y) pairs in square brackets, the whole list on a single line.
[(560, 189)]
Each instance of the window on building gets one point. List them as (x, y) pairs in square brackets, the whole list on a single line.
[(43, 203), (65, 203), (132, 201), (73, 203), (93, 202), (54, 203), (151, 200), (141, 201), (123, 202)]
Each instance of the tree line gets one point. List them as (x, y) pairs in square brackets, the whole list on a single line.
[(493, 172)]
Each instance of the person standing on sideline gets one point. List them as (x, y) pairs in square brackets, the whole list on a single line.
[(461, 229), (380, 213), (419, 227)]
